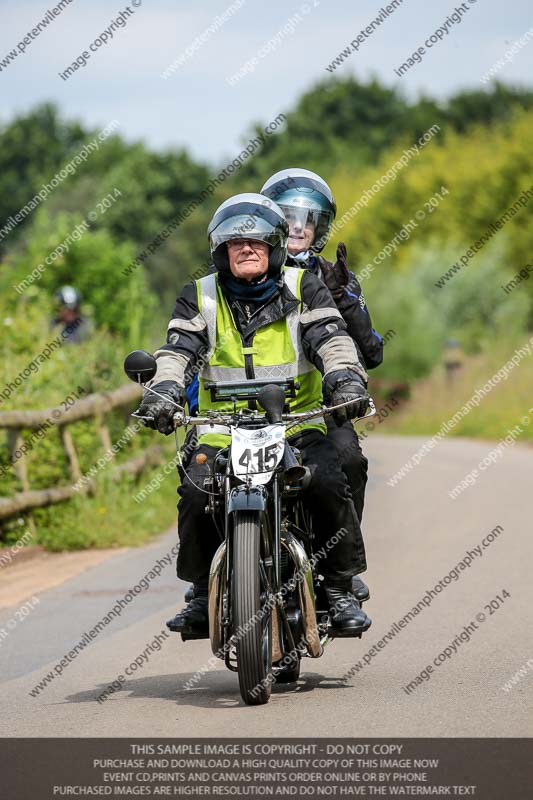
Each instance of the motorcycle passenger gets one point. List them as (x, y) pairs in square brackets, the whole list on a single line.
[(310, 208), (255, 318)]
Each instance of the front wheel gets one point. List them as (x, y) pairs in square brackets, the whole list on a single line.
[(252, 618)]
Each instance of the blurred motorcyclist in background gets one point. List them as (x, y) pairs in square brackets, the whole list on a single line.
[(310, 208), (75, 328)]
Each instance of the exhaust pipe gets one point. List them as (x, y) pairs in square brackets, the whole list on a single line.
[(217, 587), (306, 592)]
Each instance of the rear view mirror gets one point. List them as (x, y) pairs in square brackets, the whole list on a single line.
[(140, 366)]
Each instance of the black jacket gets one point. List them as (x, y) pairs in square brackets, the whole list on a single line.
[(355, 313)]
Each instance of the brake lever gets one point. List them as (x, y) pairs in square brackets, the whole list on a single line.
[(371, 410), (164, 397)]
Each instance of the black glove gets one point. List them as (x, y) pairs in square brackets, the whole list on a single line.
[(160, 410), (337, 276), (346, 386)]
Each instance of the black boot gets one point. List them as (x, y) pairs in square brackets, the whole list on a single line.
[(359, 589), (347, 616), (193, 621), (189, 594)]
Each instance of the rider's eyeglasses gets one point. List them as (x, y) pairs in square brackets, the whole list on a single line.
[(239, 244)]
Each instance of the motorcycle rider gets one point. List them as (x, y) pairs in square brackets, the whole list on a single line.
[(254, 318), (75, 327), (310, 208)]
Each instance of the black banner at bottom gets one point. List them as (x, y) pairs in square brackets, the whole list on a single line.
[(487, 769)]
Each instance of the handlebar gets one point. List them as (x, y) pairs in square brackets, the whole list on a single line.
[(182, 419)]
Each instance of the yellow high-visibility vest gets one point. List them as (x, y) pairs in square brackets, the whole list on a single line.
[(276, 353)]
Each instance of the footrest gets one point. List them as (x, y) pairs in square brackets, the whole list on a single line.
[(186, 636), (333, 633)]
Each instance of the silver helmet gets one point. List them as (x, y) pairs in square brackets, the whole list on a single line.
[(249, 216), (306, 198)]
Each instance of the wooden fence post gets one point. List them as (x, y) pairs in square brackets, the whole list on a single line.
[(15, 440), (70, 450)]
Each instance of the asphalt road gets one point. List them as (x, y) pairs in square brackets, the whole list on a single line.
[(415, 534)]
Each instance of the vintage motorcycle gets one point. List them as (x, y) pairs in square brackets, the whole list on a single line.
[(267, 608)]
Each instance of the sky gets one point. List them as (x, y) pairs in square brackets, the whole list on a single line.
[(197, 106)]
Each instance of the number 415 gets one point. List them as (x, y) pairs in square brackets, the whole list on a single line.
[(265, 457)]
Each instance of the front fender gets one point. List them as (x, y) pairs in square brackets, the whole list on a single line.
[(247, 498)]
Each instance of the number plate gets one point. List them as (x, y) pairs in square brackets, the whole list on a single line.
[(256, 454)]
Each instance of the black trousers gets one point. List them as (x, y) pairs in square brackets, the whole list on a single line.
[(354, 463), (335, 522)]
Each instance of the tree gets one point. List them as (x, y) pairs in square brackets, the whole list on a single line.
[(32, 148)]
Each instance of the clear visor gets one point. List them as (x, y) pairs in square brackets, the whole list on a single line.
[(244, 226), (306, 226)]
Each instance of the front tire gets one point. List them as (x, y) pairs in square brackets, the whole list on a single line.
[(252, 628)]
